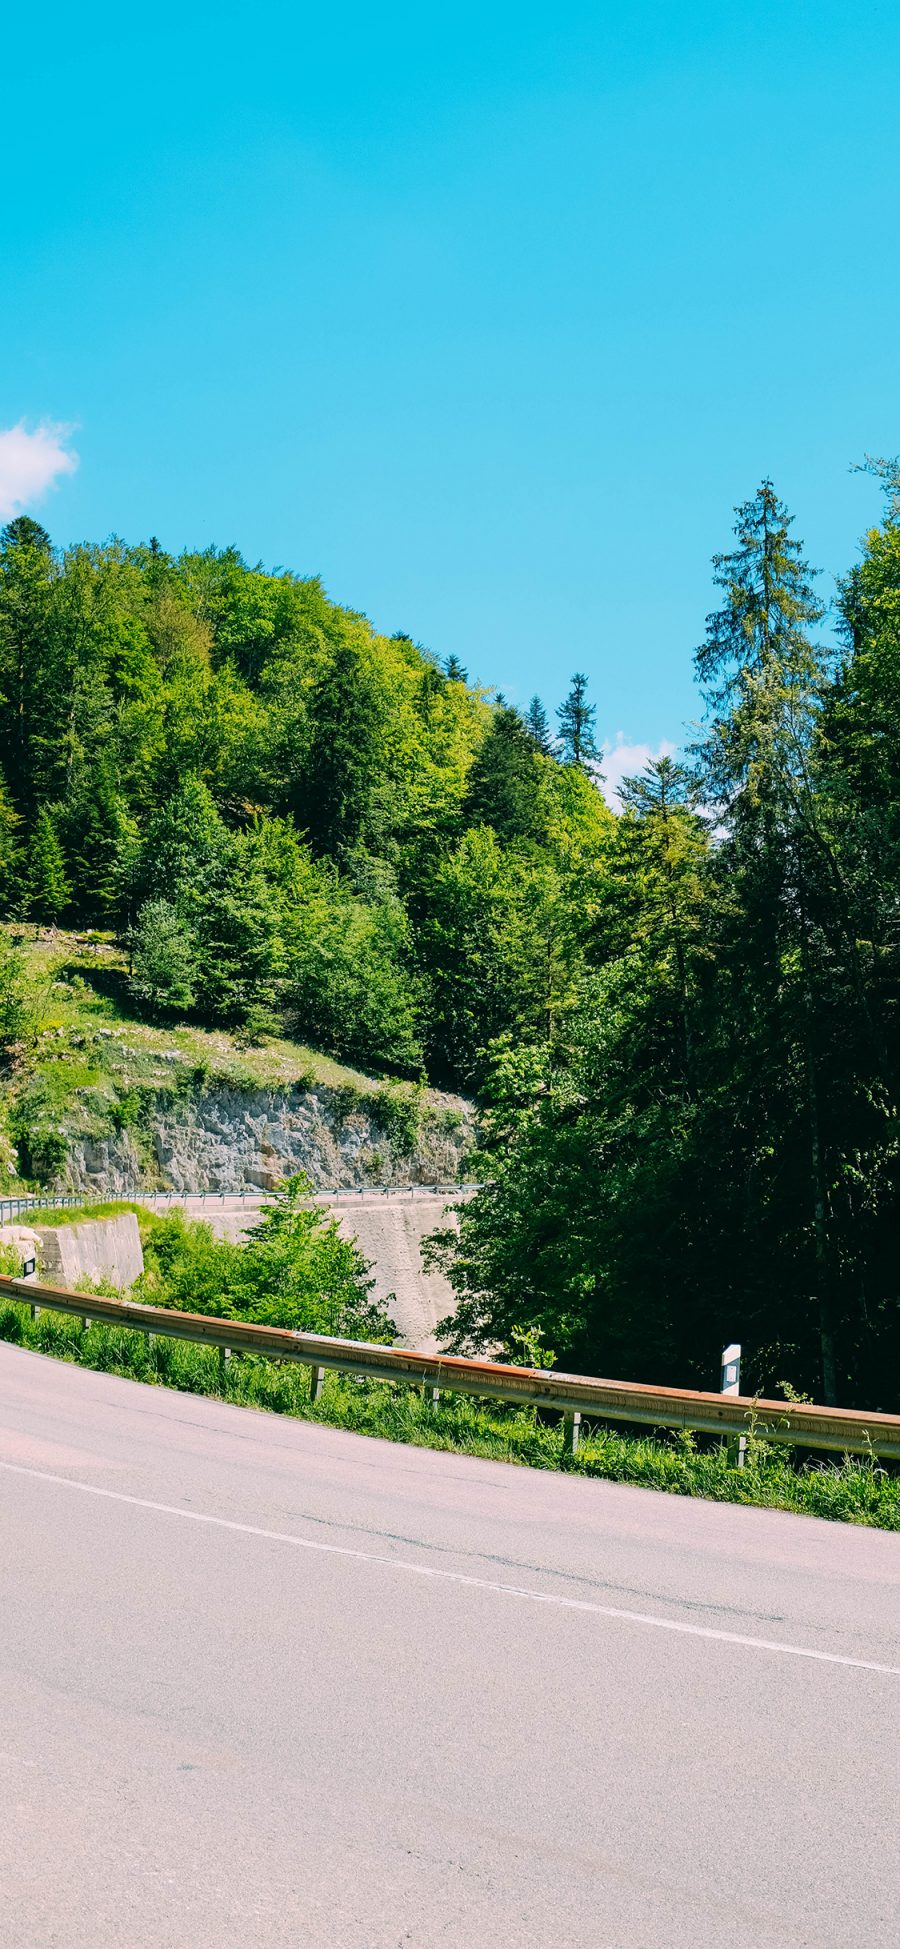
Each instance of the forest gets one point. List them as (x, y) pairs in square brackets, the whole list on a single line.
[(679, 1019)]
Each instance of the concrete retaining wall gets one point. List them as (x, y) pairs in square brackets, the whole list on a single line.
[(100, 1248)]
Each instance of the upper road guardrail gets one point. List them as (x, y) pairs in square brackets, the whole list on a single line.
[(16, 1207), (840, 1430)]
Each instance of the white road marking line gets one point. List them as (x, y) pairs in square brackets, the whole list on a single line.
[(457, 1576)]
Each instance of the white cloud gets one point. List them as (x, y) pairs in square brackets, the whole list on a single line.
[(622, 760), (30, 463)]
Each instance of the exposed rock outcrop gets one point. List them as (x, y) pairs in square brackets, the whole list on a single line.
[(225, 1139)]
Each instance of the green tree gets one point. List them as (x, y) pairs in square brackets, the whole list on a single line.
[(102, 841), (48, 884), (786, 932), (538, 728), (12, 866), (186, 850), (17, 1015), (504, 785), (576, 725), (488, 942), (294, 1270), (29, 674), (164, 960), (345, 712)]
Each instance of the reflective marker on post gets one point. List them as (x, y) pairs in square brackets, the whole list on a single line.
[(731, 1369), (731, 1384), (29, 1271)]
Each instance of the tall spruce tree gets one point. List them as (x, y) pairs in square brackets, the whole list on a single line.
[(576, 725), (504, 785), (49, 891), (538, 728), (345, 713)]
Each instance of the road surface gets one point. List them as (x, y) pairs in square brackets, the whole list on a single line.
[(264, 1683)]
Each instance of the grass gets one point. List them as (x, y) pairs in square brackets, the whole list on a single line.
[(50, 1214), (854, 1490), (78, 984)]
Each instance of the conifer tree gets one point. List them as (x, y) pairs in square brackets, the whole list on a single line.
[(48, 885), (576, 725), (345, 717), (764, 678), (538, 727), (504, 782)]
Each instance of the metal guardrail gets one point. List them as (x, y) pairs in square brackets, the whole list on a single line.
[(839, 1430), (15, 1207)]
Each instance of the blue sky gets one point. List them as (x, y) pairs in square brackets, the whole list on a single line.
[(487, 314)]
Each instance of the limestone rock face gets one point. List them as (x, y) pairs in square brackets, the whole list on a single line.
[(242, 1140)]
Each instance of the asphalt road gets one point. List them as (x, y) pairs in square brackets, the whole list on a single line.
[(263, 1683)]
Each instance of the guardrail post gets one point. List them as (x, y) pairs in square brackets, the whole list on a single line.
[(224, 1358), (316, 1383), (571, 1435)]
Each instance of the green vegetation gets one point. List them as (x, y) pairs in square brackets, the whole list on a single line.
[(682, 1020), (855, 1491), (280, 813), (703, 1145), (294, 1269), (50, 1214)]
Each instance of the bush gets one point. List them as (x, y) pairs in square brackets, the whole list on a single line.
[(43, 1153), (295, 1270)]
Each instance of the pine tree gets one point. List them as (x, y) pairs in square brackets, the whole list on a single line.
[(30, 677), (504, 783), (455, 671), (538, 728), (761, 673), (576, 725), (48, 886), (102, 841)]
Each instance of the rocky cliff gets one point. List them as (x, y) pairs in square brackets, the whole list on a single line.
[(228, 1139)]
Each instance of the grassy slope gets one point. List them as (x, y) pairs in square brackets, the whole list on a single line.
[(856, 1491), (94, 1067)]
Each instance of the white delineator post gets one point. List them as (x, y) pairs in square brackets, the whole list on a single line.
[(731, 1384), (29, 1271)]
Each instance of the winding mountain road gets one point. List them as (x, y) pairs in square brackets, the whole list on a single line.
[(264, 1683)]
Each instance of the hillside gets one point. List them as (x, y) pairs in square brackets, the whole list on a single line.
[(299, 825), (100, 1102)]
